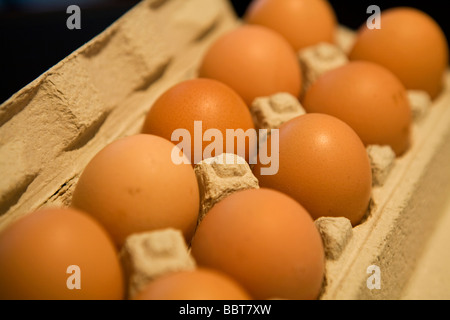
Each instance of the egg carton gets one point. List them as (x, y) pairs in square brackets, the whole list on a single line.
[(51, 129)]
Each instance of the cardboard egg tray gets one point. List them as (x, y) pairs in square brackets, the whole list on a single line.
[(51, 129)]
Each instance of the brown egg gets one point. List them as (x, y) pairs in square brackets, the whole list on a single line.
[(199, 284), (302, 22), (266, 241), (410, 44), (58, 253), (255, 61), (369, 98), (132, 185), (199, 106), (323, 165)]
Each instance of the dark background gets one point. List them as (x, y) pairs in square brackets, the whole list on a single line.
[(34, 36)]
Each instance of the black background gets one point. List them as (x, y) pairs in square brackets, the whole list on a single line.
[(32, 42)]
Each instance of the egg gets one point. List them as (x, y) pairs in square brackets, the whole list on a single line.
[(197, 107), (133, 185), (255, 61), (266, 241), (303, 23), (323, 164), (198, 284), (369, 98), (410, 44), (58, 253)]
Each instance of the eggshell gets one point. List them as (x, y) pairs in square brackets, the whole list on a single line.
[(323, 164), (266, 241), (132, 185), (198, 284), (38, 250), (213, 103), (369, 98), (303, 23), (410, 44), (255, 61)]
